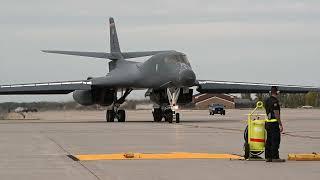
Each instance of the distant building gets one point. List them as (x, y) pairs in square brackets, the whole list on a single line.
[(202, 101)]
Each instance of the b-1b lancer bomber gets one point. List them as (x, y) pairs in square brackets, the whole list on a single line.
[(167, 77)]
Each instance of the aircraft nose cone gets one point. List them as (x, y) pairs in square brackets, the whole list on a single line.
[(187, 77)]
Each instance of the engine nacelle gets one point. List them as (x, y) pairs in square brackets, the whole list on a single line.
[(91, 97), (83, 97)]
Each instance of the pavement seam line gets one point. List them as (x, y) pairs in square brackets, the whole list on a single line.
[(68, 153)]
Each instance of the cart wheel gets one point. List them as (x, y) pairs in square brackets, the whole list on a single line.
[(245, 134), (246, 151), (256, 153)]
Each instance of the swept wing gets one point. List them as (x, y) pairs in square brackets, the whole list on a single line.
[(209, 86), (63, 87)]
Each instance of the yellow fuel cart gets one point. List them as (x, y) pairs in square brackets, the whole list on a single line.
[(255, 134)]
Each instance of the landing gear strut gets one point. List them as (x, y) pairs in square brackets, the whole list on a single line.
[(168, 112), (115, 112)]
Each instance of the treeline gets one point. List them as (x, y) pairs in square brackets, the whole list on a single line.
[(295, 100), (46, 106), (286, 100)]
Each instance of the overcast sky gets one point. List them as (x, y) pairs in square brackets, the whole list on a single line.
[(271, 41)]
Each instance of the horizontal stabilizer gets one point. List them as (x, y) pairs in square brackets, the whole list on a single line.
[(112, 56), (78, 53), (128, 55)]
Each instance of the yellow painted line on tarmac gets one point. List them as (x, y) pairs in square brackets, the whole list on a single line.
[(304, 157), (145, 156)]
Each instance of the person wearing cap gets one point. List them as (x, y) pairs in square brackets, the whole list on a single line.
[(273, 127)]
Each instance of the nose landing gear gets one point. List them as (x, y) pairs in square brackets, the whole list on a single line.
[(168, 112)]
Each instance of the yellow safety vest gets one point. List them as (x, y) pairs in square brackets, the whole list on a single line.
[(271, 120)]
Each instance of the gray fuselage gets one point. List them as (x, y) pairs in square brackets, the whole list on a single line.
[(160, 71)]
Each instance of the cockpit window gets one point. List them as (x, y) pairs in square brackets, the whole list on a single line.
[(183, 59), (177, 59)]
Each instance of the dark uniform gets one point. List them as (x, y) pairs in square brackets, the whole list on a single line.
[(273, 130)]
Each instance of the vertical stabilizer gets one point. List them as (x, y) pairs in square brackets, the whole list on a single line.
[(114, 42)]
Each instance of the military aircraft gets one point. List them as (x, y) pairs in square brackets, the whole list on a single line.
[(25, 110), (166, 75)]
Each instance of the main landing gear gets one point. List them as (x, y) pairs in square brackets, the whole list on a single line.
[(168, 115), (115, 112), (168, 112)]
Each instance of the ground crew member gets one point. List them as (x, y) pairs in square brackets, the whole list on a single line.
[(273, 127)]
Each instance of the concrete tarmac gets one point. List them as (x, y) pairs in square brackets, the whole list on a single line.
[(38, 149)]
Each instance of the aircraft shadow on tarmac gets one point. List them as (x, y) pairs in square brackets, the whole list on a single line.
[(102, 121), (48, 122), (210, 121)]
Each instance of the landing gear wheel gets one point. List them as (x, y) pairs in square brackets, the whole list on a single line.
[(168, 115), (110, 116), (177, 118), (121, 116), (157, 115)]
